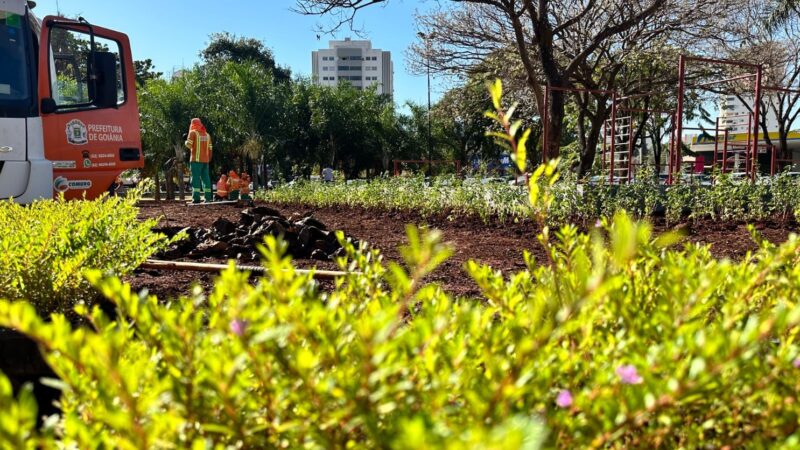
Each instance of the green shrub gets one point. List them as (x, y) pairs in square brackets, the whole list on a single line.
[(574, 201), (47, 245), (621, 342), (444, 194)]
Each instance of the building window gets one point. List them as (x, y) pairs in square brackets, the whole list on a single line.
[(344, 68)]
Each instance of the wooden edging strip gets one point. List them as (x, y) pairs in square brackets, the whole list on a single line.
[(154, 264)]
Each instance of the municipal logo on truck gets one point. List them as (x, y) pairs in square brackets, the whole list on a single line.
[(76, 132)]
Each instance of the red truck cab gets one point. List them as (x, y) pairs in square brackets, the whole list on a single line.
[(69, 119)]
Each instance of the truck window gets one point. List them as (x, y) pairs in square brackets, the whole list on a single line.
[(13, 70), (70, 57)]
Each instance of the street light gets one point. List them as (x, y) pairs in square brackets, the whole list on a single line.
[(427, 38)]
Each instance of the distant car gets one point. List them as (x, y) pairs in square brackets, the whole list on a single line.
[(696, 178), (487, 180)]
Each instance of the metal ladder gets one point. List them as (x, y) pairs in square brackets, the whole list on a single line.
[(617, 150)]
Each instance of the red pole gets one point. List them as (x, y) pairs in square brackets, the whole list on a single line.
[(545, 121), (749, 143), (671, 145), (725, 152), (716, 144), (613, 136), (755, 119), (772, 161), (679, 111)]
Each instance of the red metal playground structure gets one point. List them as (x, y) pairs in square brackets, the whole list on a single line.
[(734, 156)]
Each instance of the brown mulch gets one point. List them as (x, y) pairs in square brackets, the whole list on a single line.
[(497, 244)]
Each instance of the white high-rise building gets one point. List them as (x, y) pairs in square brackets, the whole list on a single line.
[(355, 62), (735, 116)]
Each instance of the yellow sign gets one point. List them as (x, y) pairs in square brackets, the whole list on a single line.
[(706, 138)]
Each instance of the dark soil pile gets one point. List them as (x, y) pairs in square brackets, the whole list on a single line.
[(307, 237)]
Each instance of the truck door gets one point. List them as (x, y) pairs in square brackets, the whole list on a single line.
[(90, 116), (17, 103)]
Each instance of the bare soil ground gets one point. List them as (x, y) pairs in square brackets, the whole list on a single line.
[(500, 245)]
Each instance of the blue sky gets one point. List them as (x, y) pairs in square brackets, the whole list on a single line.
[(172, 32)]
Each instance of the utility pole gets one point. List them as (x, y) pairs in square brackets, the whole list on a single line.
[(427, 38)]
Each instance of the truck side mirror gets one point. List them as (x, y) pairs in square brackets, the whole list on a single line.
[(48, 106), (103, 90)]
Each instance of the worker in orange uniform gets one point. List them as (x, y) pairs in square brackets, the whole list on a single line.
[(222, 188), (200, 148), (234, 183), (245, 188)]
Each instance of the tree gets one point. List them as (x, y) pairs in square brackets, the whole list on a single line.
[(777, 49), (166, 108), (558, 42), (783, 10), (543, 32), (243, 105), (228, 47), (145, 70), (583, 44), (459, 115), (348, 123)]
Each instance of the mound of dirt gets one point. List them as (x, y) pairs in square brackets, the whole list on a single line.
[(307, 237)]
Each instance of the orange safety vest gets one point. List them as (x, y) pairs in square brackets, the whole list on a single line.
[(199, 143), (234, 183), (245, 184), (222, 187)]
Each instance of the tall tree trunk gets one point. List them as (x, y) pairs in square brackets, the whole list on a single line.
[(554, 74), (657, 151), (179, 154), (169, 181), (592, 140), (157, 190), (555, 124), (783, 137)]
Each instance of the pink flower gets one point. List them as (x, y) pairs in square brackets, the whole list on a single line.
[(628, 375), (796, 363), (564, 398), (238, 327), (598, 224)]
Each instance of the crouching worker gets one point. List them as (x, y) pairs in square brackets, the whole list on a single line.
[(233, 185), (245, 189), (222, 188)]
